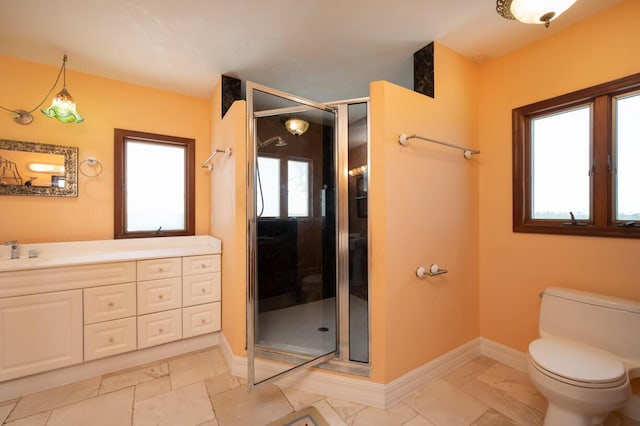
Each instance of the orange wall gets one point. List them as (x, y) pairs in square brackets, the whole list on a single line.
[(514, 268), (228, 209), (105, 104), (423, 210)]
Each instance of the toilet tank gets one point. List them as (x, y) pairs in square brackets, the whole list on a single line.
[(610, 323)]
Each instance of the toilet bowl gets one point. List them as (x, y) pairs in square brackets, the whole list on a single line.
[(581, 362), (583, 384), (311, 288)]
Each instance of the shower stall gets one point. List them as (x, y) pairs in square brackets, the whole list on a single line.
[(307, 234)]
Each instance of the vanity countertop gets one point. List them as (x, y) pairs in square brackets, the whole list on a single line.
[(51, 255)]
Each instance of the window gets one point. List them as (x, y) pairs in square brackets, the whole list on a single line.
[(276, 200), (154, 185), (575, 162)]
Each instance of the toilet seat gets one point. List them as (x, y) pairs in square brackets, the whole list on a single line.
[(577, 364)]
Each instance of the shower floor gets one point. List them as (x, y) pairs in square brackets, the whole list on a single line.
[(301, 330)]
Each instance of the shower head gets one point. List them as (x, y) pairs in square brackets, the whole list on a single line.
[(276, 139)]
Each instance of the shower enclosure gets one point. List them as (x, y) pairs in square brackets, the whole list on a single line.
[(307, 233)]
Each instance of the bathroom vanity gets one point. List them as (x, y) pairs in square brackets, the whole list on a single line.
[(79, 302)]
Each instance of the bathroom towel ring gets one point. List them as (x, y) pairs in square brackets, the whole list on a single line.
[(91, 163)]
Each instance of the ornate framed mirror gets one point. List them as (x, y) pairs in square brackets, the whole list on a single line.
[(38, 169)]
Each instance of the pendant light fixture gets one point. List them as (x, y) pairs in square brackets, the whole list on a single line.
[(296, 126), (63, 108), (533, 11)]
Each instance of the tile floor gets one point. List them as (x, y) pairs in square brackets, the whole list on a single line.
[(197, 390)]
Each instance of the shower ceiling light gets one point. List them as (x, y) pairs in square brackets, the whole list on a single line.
[(533, 11), (296, 126), (62, 109)]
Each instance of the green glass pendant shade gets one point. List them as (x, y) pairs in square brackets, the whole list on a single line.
[(63, 108)]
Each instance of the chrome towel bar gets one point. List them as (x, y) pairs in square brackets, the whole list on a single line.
[(403, 140)]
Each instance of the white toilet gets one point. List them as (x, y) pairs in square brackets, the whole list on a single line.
[(588, 350)]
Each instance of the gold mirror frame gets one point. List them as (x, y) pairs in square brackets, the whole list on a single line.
[(70, 154)]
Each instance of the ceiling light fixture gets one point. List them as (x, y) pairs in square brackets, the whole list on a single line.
[(296, 126), (533, 11), (63, 108)]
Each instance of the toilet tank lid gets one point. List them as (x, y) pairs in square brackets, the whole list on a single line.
[(595, 299)]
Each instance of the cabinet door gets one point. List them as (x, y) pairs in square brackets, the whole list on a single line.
[(40, 332)]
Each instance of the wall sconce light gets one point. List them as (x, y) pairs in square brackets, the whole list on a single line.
[(533, 11), (358, 171), (63, 108), (46, 168), (296, 126)]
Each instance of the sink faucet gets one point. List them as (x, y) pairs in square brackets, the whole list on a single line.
[(15, 248)]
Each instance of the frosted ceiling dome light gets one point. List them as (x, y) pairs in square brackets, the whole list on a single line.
[(533, 11)]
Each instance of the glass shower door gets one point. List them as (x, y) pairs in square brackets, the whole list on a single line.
[(292, 233)]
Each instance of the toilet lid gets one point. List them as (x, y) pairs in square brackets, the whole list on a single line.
[(577, 362)]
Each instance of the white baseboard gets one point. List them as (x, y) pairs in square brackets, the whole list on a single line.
[(355, 389), (351, 388), (503, 354), (62, 376)]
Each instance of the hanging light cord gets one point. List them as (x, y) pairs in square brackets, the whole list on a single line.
[(62, 69)]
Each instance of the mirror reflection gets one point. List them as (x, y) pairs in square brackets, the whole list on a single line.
[(28, 168)]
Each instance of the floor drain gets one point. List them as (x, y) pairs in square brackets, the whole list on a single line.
[(323, 329)]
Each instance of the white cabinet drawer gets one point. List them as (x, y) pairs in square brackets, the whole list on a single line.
[(200, 319), (159, 295), (198, 289), (109, 338), (158, 328), (201, 264), (155, 269), (109, 302)]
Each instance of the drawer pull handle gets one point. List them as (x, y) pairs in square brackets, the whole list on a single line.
[(204, 265), (160, 330), (110, 339), (110, 304), (203, 321), (160, 270), (160, 296), (204, 290)]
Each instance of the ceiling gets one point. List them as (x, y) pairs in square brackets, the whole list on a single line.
[(325, 50)]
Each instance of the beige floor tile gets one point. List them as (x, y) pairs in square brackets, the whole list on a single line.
[(133, 377), (56, 397), (514, 383), (444, 405), (396, 415), (329, 414), (493, 418), (617, 419), (221, 383), (238, 407), (503, 402), (5, 410), (345, 409), (154, 387), (418, 421), (196, 367), (298, 398), (111, 409), (39, 419), (186, 406), (469, 370)]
